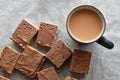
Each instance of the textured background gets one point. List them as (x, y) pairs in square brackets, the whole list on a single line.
[(105, 64)]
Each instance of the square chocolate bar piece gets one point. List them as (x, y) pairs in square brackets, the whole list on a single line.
[(46, 34), (48, 74), (58, 54), (3, 78), (70, 78), (80, 61), (30, 61), (24, 33), (8, 59)]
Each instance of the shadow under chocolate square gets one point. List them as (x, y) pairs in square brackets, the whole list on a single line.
[(47, 34), (8, 59), (47, 74), (30, 61), (80, 61), (58, 54), (24, 33)]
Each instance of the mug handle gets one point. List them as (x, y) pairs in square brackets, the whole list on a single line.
[(104, 42)]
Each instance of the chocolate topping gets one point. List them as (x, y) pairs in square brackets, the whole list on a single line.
[(48, 74), (80, 61), (24, 33), (58, 54), (30, 61), (8, 59), (46, 34)]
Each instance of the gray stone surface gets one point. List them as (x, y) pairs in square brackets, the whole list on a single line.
[(105, 64)]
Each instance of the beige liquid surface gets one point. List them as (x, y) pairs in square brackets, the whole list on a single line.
[(85, 25)]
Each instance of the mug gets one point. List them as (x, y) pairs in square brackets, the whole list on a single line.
[(86, 24)]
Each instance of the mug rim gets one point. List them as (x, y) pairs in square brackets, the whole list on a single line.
[(99, 15)]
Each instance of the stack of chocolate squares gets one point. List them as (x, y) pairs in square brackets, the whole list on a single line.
[(30, 60)]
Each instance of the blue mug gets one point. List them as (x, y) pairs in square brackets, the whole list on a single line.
[(100, 39)]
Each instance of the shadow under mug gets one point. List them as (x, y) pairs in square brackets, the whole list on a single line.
[(100, 39)]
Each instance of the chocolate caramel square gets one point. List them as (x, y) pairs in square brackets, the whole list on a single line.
[(3, 78), (47, 74), (80, 61), (30, 61), (24, 33), (46, 35), (58, 54), (8, 59)]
